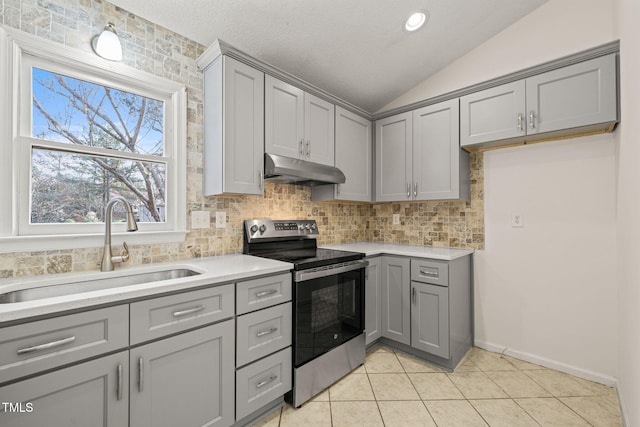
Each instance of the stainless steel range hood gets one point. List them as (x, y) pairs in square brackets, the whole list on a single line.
[(295, 171)]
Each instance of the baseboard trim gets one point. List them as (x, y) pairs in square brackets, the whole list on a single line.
[(549, 363)]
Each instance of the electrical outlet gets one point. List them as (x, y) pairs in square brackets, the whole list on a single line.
[(200, 219), (517, 220), (221, 219), (396, 219)]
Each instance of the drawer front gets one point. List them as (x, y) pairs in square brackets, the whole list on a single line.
[(262, 382), (46, 344), (263, 332), (162, 316), (430, 271), (262, 293)]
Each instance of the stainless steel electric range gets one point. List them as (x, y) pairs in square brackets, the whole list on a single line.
[(328, 302)]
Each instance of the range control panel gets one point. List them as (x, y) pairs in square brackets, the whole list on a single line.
[(262, 229)]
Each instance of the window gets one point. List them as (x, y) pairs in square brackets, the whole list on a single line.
[(82, 135)]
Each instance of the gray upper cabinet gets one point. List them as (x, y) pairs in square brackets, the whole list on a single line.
[(186, 380), (418, 155), (373, 289), (395, 301), (353, 157), (576, 99), (233, 128), (440, 168), (298, 124), (394, 140)]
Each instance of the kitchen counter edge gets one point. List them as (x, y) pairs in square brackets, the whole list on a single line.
[(373, 249)]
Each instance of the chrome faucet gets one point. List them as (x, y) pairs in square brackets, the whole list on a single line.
[(107, 258)]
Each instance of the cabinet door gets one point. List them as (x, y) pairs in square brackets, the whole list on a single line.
[(573, 96), (373, 297), (430, 318), (284, 119), (353, 156), (393, 158), (91, 394), (396, 317), (186, 380), (436, 152), (319, 130), (233, 128), (493, 114)]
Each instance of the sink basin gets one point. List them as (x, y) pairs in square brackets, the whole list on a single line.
[(41, 292)]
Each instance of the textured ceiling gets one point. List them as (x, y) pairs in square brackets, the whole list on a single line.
[(355, 49)]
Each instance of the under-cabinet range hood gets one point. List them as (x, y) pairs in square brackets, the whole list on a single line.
[(302, 172)]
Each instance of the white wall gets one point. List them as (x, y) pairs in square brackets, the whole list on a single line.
[(548, 291), (627, 13)]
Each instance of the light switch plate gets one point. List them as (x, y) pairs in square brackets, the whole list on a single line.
[(200, 219), (517, 220), (221, 219)]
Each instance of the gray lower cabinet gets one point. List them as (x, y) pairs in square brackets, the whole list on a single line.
[(577, 99), (430, 318), (395, 301), (373, 290), (90, 394)]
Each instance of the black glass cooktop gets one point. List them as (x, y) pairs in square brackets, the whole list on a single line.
[(303, 259)]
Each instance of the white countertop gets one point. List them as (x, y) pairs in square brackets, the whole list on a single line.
[(371, 249), (214, 271)]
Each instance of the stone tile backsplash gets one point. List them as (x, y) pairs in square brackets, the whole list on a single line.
[(157, 50)]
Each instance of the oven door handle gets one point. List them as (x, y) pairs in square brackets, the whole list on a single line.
[(303, 275)]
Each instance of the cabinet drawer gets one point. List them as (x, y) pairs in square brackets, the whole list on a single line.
[(263, 381), (262, 293), (46, 344), (162, 316), (263, 332), (430, 271)]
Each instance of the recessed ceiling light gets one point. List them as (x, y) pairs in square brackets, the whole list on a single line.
[(415, 21)]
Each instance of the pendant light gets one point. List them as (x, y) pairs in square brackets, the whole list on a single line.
[(107, 44)]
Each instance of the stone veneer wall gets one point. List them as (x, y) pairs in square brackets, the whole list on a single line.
[(154, 49)]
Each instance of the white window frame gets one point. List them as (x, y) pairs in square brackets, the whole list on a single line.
[(19, 52)]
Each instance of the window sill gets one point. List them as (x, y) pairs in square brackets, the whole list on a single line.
[(81, 241)]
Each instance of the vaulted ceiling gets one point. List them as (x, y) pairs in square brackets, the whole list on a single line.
[(355, 49)]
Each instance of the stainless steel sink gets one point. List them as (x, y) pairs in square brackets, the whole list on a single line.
[(49, 291)]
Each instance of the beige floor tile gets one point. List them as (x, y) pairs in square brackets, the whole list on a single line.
[(563, 385), (454, 413), (272, 419), (412, 364), (600, 411), (550, 412), (315, 414), (355, 414), (466, 365), (522, 365), (516, 384), (321, 397), (352, 387), (488, 361), (503, 413), (359, 370), (405, 414), (434, 386), (392, 387), (476, 385), (379, 348), (595, 388), (382, 363)]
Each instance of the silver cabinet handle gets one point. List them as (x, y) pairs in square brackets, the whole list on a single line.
[(520, 121), (140, 374), (260, 179), (413, 295), (408, 190), (415, 189), (265, 293), (188, 311), (263, 383), (429, 273), (532, 117), (308, 148), (301, 147), (47, 346), (119, 392), (266, 332)]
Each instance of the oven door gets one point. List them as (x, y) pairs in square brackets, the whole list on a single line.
[(329, 309)]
